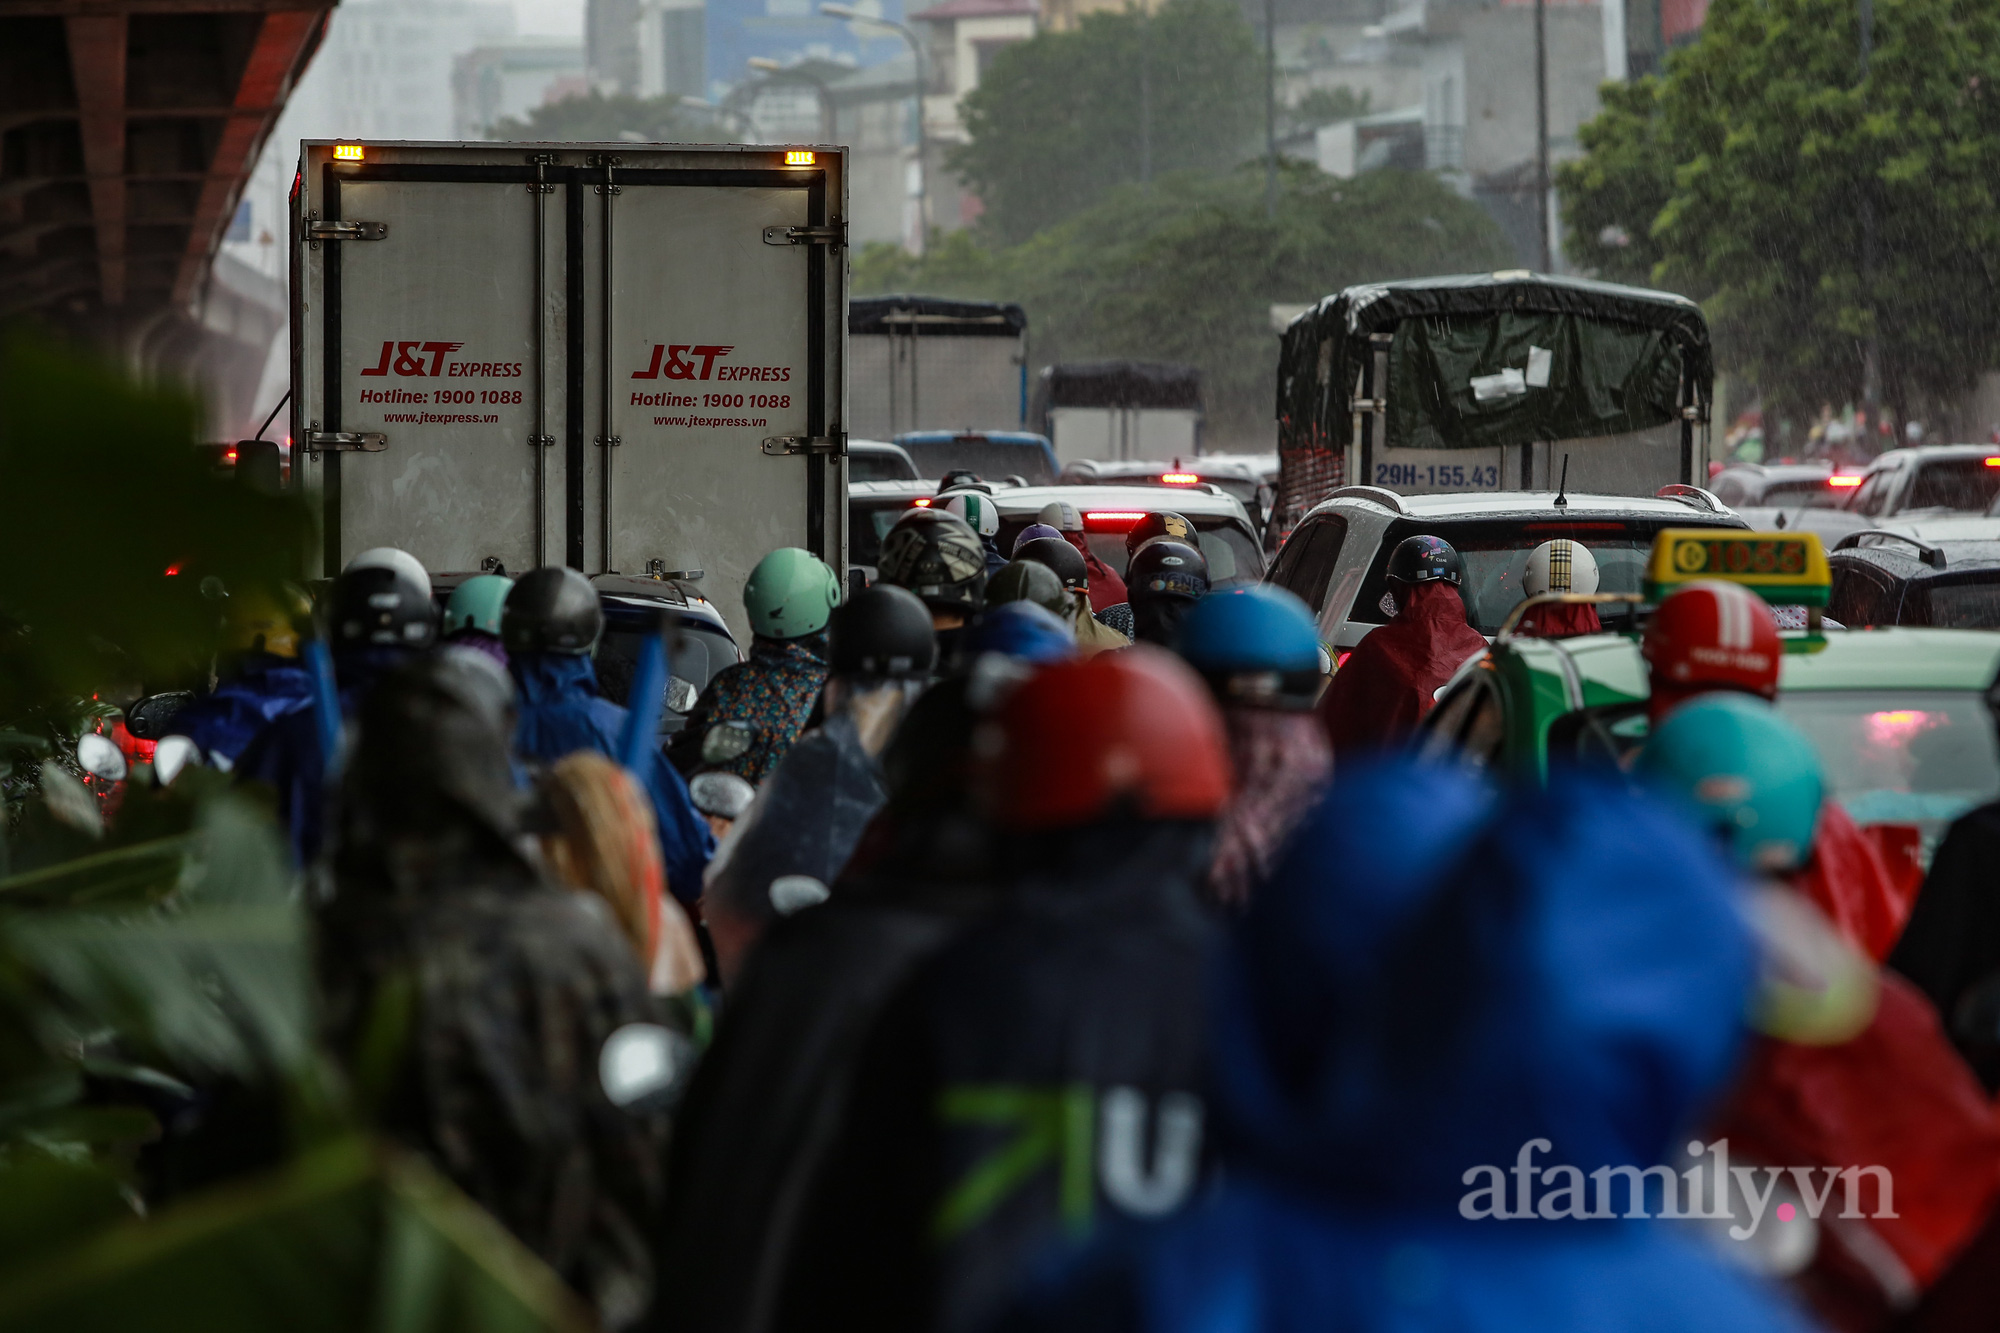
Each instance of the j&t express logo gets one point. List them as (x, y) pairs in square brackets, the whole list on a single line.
[(416, 359), (696, 361)]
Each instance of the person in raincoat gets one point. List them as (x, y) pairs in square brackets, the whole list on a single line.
[(550, 625), (1447, 1006), (752, 711), (1851, 1069), (1093, 636), (1710, 636), (1559, 566), (379, 616), (471, 1000), (1149, 527), (793, 841), (1045, 1070), (1391, 679), (1106, 588), (1259, 652), (1163, 583), (758, 1126), (259, 674)]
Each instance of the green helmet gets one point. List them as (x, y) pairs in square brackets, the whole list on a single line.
[(476, 603), (1745, 771), (1029, 581), (790, 594)]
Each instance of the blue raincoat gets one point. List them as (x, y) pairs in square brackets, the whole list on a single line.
[(261, 687), (1436, 975), (561, 713), (285, 754)]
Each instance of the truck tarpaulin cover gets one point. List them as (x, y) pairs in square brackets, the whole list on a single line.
[(932, 317), (1140, 385), (1480, 361)]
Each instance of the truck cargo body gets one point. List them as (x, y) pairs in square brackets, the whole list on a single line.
[(619, 357), (920, 363)]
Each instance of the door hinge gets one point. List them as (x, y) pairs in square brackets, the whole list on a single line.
[(608, 441), (347, 441), (545, 441), (833, 236), (779, 445), (324, 230)]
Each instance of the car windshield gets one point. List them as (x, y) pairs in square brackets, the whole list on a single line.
[(1964, 605), (1496, 553), (993, 460), (1968, 484), (1233, 559), (1813, 494), (869, 465), (698, 653), (1920, 757)]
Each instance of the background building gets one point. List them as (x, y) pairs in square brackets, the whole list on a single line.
[(507, 80)]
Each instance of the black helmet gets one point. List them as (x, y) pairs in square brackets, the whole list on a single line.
[(962, 479), (1165, 568), (380, 605), (431, 752), (1425, 559), (1060, 556), (1166, 523), (883, 631), (1024, 580), (937, 557), (551, 610)]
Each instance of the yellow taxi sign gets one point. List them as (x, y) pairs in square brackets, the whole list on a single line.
[(1786, 568)]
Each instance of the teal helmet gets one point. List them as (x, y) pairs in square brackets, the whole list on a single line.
[(476, 604), (1748, 773), (791, 593)]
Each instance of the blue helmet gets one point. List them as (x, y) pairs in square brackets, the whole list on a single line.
[(1254, 645), (1024, 631), (1746, 771)]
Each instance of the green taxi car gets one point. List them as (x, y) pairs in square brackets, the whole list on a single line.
[(1899, 715)]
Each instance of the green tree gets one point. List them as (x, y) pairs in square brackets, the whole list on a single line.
[(1612, 194), (1062, 118), (1326, 106), (594, 117), (1188, 270), (1773, 153)]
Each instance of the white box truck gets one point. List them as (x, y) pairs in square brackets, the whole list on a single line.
[(619, 357), (925, 363)]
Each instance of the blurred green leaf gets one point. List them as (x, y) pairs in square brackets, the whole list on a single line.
[(343, 1239)]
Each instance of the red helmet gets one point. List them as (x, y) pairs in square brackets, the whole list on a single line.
[(1079, 740), (1711, 635)]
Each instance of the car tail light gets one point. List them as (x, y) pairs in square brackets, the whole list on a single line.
[(1180, 478), (1993, 462), (920, 504), (1341, 660), (173, 570), (1844, 482), (1111, 520)]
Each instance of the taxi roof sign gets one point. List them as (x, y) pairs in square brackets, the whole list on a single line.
[(1784, 568)]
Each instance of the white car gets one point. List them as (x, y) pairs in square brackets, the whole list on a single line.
[(1336, 559)]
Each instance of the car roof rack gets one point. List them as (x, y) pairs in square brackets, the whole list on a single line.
[(1380, 495), (1691, 495), (1931, 555)]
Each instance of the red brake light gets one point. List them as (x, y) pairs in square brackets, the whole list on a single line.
[(1112, 520), (229, 455), (1192, 479), (173, 570), (1845, 482), (1340, 660), (921, 504), (1993, 462)]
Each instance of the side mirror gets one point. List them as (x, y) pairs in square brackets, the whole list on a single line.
[(171, 756), (151, 719), (100, 757)]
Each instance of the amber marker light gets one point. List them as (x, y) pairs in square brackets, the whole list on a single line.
[(347, 152), (799, 157)]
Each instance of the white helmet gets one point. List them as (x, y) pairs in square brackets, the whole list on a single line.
[(1061, 515), (975, 507), (388, 557), (1560, 566)]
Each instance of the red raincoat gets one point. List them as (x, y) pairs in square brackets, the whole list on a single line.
[(1896, 1096), (1560, 620), (1850, 880), (1384, 689), (1106, 588)]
